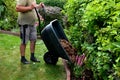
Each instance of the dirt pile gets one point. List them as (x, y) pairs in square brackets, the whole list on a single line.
[(71, 51)]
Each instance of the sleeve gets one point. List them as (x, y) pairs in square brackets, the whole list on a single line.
[(22, 2)]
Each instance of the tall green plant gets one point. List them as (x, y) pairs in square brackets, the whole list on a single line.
[(2, 8), (96, 25), (10, 17)]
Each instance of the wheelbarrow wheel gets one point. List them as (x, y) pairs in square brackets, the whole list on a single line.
[(50, 59)]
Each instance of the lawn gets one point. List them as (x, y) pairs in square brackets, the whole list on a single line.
[(12, 69)]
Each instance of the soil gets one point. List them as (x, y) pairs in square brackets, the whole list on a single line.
[(71, 51), (87, 75)]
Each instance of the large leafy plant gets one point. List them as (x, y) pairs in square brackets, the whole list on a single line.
[(9, 19), (2, 8), (95, 31)]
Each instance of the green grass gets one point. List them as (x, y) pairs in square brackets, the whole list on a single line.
[(12, 69)]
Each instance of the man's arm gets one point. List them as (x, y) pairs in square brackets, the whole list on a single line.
[(20, 8)]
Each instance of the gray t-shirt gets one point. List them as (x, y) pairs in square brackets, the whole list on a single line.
[(29, 17)]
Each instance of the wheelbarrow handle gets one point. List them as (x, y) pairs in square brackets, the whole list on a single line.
[(37, 15), (38, 19), (44, 16)]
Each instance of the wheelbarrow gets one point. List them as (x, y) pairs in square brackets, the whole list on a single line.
[(51, 35)]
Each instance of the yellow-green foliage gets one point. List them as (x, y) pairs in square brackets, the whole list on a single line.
[(10, 15), (95, 31)]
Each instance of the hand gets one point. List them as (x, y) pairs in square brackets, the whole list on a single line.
[(42, 5), (33, 5), (41, 18), (36, 24)]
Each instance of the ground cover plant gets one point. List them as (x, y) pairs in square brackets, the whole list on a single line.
[(12, 69)]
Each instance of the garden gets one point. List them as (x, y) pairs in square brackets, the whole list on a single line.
[(91, 26)]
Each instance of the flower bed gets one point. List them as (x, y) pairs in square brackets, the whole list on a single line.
[(77, 60)]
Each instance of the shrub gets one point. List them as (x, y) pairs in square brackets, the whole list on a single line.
[(95, 32), (10, 16), (2, 8)]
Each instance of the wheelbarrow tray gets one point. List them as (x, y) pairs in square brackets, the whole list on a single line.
[(51, 36)]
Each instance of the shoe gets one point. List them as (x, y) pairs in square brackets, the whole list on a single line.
[(25, 61), (34, 59)]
